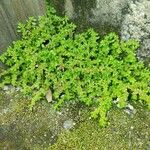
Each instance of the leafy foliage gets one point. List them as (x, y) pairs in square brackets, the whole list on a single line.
[(78, 67)]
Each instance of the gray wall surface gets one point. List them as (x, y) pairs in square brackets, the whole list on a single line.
[(129, 18), (12, 12)]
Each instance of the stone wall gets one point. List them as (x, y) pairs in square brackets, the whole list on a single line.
[(136, 25), (129, 18), (12, 12)]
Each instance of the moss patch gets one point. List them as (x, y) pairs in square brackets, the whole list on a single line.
[(124, 133), (42, 128), (24, 129)]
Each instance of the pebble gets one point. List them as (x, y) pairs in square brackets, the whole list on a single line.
[(18, 89), (131, 127), (68, 124), (59, 113), (49, 96), (130, 109), (6, 88)]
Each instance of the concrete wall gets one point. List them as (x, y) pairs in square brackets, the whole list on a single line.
[(12, 12), (129, 18)]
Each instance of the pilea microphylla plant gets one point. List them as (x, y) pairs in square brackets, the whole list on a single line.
[(75, 67)]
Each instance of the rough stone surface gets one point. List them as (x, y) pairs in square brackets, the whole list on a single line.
[(12, 12), (69, 9), (103, 15), (130, 18), (109, 11), (136, 25)]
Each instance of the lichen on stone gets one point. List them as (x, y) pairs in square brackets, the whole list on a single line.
[(136, 25)]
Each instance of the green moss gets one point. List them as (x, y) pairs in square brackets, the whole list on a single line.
[(22, 129), (123, 133)]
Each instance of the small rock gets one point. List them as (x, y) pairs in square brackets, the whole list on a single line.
[(52, 136), (59, 113), (6, 88), (49, 96), (18, 89), (130, 107), (131, 127), (68, 124), (130, 110)]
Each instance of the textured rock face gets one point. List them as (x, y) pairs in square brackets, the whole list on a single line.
[(130, 18), (136, 24), (69, 9), (109, 12), (104, 15), (12, 12)]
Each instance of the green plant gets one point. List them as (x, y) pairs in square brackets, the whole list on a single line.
[(78, 67)]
